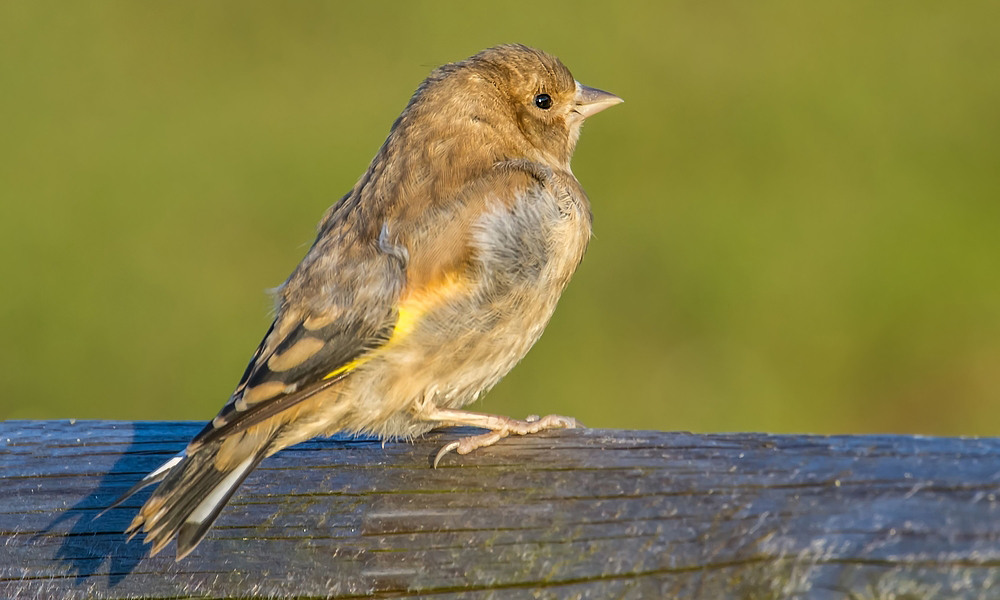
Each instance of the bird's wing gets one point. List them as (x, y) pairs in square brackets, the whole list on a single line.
[(267, 389), (336, 310)]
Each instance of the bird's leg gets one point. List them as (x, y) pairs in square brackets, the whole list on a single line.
[(499, 426)]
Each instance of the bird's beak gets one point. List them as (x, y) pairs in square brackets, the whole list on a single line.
[(590, 101)]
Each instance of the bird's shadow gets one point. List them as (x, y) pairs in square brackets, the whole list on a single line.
[(95, 537), (91, 537)]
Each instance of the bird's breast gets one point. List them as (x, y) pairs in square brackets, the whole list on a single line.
[(524, 255)]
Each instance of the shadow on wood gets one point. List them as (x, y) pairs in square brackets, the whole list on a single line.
[(579, 514)]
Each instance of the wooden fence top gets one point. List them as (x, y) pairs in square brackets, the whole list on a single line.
[(572, 514)]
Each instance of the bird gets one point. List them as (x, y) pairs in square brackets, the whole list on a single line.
[(426, 284)]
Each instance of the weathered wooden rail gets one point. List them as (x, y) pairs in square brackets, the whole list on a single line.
[(573, 514)]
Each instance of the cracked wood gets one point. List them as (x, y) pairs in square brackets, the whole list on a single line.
[(569, 514)]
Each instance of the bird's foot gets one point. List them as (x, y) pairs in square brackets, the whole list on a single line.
[(500, 428)]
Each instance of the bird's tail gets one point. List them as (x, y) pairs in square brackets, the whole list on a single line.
[(192, 492)]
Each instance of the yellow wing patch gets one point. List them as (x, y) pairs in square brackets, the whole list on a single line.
[(412, 307)]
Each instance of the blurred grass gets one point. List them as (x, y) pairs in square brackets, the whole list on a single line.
[(797, 209)]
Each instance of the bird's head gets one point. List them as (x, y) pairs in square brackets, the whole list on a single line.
[(520, 100)]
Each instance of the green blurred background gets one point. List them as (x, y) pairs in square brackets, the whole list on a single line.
[(797, 210)]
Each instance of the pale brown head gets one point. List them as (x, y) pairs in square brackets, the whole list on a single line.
[(516, 101)]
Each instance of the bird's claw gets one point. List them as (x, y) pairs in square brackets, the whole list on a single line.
[(449, 447)]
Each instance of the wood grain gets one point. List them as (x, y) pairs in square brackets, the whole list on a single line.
[(572, 514)]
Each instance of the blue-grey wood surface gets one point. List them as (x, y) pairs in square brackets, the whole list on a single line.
[(570, 514)]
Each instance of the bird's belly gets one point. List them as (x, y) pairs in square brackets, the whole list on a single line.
[(447, 363)]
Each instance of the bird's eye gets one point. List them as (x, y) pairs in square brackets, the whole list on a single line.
[(543, 101)]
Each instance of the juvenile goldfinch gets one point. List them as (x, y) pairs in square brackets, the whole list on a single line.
[(426, 284)]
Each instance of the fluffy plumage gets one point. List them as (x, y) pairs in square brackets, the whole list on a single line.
[(426, 284)]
